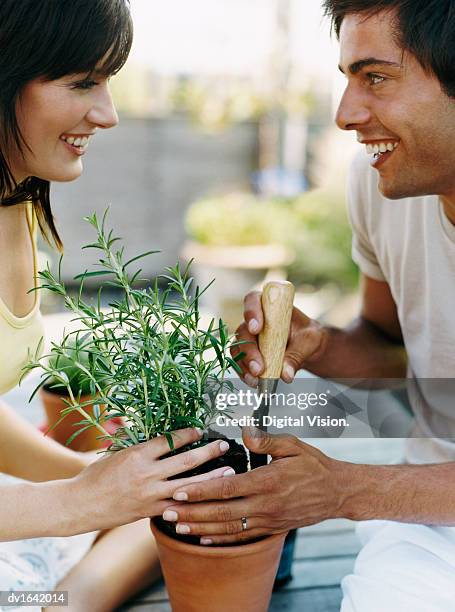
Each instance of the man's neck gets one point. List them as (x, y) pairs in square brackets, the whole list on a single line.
[(449, 207)]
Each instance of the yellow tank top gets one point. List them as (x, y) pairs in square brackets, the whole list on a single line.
[(18, 335)]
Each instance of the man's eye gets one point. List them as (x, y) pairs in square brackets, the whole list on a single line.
[(86, 84), (375, 79)]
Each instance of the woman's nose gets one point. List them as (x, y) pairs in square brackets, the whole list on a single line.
[(352, 110), (103, 113)]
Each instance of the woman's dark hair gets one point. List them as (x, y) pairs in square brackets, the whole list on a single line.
[(425, 28), (50, 39)]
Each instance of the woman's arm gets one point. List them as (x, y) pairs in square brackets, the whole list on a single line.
[(31, 510), (118, 489), (26, 453)]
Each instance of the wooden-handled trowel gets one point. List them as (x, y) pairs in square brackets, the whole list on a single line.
[(277, 301)]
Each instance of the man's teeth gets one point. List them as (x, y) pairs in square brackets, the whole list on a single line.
[(382, 147), (77, 142)]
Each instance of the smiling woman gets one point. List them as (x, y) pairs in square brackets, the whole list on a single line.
[(55, 62), (53, 97), (57, 119)]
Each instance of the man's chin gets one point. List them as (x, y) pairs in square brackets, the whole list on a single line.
[(395, 192)]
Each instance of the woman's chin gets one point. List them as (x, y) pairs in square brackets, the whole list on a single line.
[(65, 175)]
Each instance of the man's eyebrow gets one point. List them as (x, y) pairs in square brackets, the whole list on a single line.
[(369, 61)]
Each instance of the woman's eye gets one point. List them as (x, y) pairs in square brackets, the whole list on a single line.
[(87, 84), (375, 79)]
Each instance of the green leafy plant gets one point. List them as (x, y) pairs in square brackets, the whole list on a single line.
[(65, 363), (145, 357)]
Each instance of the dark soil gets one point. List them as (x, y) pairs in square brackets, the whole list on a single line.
[(236, 458)]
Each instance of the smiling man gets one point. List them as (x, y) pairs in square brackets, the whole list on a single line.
[(398, 57)]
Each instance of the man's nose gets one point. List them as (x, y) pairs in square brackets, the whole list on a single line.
[(103, 113), (352, 110)]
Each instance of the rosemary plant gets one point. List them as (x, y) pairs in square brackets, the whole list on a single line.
[(146, 357)]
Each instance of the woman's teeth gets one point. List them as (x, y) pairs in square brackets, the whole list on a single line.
[(380, 148), (80, 141)]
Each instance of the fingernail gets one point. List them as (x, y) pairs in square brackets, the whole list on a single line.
[(181, 496), (183, 529), (251, 381), (224, 446), (253, 326), (170, 515), (206, 541), (289, 372), (229, 472), (254, 367), (199, 431)]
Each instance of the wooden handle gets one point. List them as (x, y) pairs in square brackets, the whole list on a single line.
[(277, 301)]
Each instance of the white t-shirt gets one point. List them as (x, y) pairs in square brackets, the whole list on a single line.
[(410, 244)]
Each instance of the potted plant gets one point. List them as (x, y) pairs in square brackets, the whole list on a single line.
[(151, 362), (63, 422)]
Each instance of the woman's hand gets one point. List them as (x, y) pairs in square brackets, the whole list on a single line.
[(133, 483)]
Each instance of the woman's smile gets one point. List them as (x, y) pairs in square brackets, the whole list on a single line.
[(76, 143)]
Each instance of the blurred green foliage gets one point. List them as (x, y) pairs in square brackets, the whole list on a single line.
[(314, 225), (323, 240), (239, 219)]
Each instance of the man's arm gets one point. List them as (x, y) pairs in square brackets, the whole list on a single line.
[(423, 494), (370, 347), (302, 486)]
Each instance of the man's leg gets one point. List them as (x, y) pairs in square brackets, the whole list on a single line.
[(121, 562), (402, 568)]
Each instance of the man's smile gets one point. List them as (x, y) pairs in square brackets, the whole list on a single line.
[(381, 150)]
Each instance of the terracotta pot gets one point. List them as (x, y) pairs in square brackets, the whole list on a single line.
[(53, 405), (219, 578)]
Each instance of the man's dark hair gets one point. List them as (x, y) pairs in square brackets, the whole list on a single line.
[(425, 28), (49, 39)]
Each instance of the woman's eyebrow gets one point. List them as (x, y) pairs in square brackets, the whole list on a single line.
[(355, 67)]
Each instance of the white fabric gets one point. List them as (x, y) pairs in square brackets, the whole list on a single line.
[(410, 243), (402, 568), (38, 564)]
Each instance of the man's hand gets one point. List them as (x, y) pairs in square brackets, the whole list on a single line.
[(306, 344), (301, 486)]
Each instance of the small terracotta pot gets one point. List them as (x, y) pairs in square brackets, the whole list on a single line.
[(53, 405), (219, 578)]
